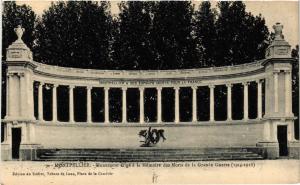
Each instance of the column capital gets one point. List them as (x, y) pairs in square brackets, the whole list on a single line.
[(229, 85), (41, 83), (21, 74), (106, 88), (55, 85), (287, 71), (89, 87), (10, 74), (259, 81), (159, 88), (211, 86), (194, 87), (124, 88), (71, 86), (245, 83), (141, 88), (176, 87)]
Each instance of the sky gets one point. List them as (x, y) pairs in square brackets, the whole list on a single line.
[(285, 12)]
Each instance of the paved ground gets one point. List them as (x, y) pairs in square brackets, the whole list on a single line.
[(92, 173)]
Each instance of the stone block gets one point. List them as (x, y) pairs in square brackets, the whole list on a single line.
[(28, 152), (294, 150), (270, 150), (5, 152)]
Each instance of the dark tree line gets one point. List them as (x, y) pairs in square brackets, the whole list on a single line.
[(144, 35)]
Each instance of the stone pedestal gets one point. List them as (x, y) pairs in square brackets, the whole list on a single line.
[(6, 152), (270, 150), (294, 149), (28, 152)]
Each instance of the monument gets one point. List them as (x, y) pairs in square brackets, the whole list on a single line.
[(29, 137)]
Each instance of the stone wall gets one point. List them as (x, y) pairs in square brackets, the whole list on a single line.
[(178, 136)]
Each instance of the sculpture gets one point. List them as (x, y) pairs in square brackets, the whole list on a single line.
[(19, 32), (278, 31), (152, 137)]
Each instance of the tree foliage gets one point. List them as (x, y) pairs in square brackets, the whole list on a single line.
[(75, 34), (240, 35), (295, 88), (206, 33), (172, 35), (132, 47), (145, 35)]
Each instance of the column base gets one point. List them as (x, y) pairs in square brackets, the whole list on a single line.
[(28, 151), (6, 152), (294, 149), (270, 150)]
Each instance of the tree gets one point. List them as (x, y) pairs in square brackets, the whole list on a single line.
[(75, 34), (240, 36), (295, 88), (132, 48), (205, 33), (174, 45)]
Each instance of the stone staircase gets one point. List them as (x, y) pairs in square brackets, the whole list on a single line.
[(148, 154)]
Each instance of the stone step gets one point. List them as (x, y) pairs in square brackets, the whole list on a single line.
[(152, 155), (72, 158), (215, 150), (141, 153), (149, 154)]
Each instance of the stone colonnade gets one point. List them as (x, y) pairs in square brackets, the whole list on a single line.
[(274, 71), (142, 99)]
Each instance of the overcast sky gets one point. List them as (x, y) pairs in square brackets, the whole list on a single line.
[(285, 12)]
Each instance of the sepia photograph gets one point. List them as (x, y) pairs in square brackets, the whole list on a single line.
[(149, 92)]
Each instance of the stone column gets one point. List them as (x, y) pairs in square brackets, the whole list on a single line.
[(10, 96), (40, 101), (142, 112), (288, 93), (259, 99), (54, 103), (159, 104), (245, 100), (229, 102), (24, 138), (276, 90), (30, 96), (5, 134), (212, 103), (194, 103), (89, 104), (23, 95), (71, 103), (106, 105), (124, 105), (177, 113), (7, 95), (11, 112), (31, 128)]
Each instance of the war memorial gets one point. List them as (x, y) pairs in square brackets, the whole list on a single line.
[(269, 136)]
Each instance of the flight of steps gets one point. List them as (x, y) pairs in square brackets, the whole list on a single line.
[(147, 154)]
